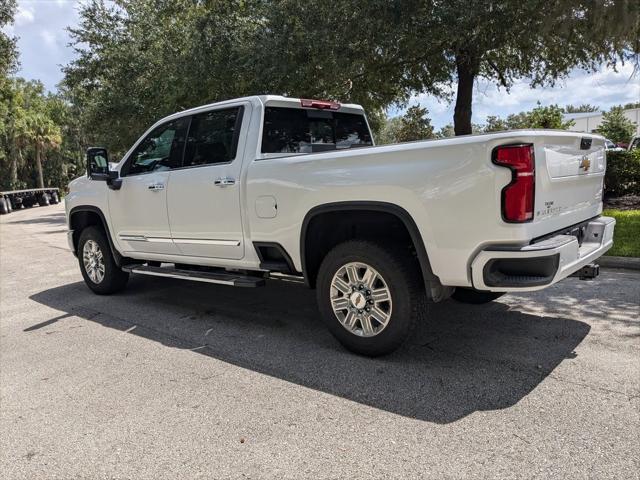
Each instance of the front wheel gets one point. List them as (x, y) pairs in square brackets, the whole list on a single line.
[(370, 296), (99, 270), (474, 297)]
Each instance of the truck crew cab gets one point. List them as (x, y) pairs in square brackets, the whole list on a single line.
[(237, 191)]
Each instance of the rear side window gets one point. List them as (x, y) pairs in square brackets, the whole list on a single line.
[(295, 130), (213, 137)]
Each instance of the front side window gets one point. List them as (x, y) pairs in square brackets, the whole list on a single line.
[(160, 150), (213, 137), (297, 130)]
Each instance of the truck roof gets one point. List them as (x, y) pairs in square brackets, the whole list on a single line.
[(278, 100)]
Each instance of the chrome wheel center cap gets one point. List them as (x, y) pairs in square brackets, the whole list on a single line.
[(358, 300)]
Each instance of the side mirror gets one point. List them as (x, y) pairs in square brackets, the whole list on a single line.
[(98, 168)]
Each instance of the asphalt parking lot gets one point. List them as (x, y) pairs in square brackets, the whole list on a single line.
[(174, 379)]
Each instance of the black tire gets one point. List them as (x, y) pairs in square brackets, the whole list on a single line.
[(3, 206), (43, 200), (399, 270), (474, 297), (114, 278), (9, 206), (54, 198)]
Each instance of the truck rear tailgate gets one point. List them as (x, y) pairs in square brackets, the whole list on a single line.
[(569, 180)]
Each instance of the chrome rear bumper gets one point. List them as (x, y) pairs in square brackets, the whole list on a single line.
[(536, 266)]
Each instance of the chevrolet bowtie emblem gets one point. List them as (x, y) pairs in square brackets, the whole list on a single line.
[(585, 163)]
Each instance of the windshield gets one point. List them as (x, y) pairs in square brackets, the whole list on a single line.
[(296, 130)]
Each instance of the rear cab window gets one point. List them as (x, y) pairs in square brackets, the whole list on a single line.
[(290, 130)]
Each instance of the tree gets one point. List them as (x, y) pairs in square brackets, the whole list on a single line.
[(495, 124), (415, 125), (583, 108), (8, 50), (420, 46), (629, 106), (549, 117), (139, 60), (616, 126), (389, 132), (29, 132), (45, 135), (446, 131)]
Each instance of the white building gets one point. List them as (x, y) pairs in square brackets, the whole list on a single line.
[(590, 121)]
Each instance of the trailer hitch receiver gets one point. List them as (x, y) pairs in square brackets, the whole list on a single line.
[(588, 272)]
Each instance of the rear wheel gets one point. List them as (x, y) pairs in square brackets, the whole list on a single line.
[(370, 296), (99, 270), (3, 206), (55, 199), (474, 297)]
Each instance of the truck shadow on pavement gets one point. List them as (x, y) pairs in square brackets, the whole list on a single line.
[(462, 359), (48, 219)]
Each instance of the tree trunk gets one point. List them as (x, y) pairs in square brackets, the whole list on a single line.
[(13, 172), (39, 165), (465, 67), (13, 168)]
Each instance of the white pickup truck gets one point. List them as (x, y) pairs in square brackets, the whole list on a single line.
[(266, 186)]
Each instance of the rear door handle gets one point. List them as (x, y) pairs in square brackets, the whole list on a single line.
[(224, 181), (156, 186)]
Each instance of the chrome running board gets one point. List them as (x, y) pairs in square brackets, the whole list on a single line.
[(220, 278)]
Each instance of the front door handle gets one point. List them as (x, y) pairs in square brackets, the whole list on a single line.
[(224, 181), (156, 186)]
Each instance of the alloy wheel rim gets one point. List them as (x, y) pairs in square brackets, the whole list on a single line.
[(361, 299), (93, 261)]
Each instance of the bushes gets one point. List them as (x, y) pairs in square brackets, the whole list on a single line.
[(623, 173)]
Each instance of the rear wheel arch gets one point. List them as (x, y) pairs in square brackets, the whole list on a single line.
[(344, 219)]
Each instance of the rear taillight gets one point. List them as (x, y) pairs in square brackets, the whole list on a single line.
[(322, 104), (518, 196)]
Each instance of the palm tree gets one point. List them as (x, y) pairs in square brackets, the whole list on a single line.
[(45, 135)]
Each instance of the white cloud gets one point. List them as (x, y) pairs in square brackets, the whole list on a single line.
[(24, 15), (603, 88), (49, 39)]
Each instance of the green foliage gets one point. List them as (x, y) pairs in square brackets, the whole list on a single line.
[(414, 125), (495, 124), (30, 133), (549, 117), (629, 106), (389, 132), (141, 59), (8, 50), (446, 131), (623, 173), (626, 233), (585, 107), (616, 126)]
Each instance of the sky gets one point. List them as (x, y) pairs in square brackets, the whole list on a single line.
[(43, 44)]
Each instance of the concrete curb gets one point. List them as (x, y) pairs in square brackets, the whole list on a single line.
[(629, 263)]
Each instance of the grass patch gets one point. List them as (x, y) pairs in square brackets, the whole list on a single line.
[(626, 237)]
